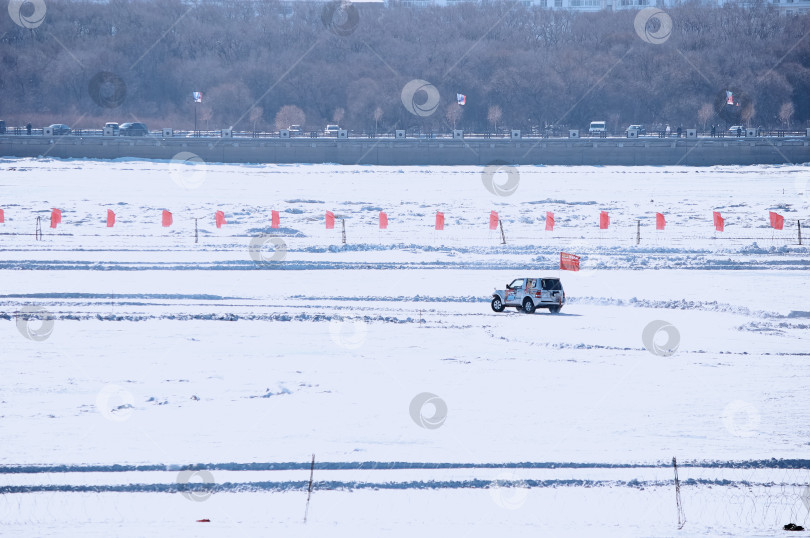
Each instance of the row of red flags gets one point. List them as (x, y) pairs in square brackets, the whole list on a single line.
[(777, 220)]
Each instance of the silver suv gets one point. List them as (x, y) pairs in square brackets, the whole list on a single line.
[(529, 294)]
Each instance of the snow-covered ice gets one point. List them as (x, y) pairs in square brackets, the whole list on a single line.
[(169, 351)]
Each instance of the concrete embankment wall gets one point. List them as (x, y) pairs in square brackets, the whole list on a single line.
[(611, 151)]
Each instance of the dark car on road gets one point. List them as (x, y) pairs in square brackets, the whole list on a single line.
[(133, 129)]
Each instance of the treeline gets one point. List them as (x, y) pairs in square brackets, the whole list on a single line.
[(519, 67)]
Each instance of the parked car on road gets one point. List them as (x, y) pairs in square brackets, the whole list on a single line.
[(736, 130), (133, 129), (597, 127), (294, 130), (113, 127), (640, 128), (60, 129), (529, 294), (331, 130)]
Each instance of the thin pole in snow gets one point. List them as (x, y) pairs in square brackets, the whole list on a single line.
[(38, 232), (196, 233), (503, 237), (681, 515), (638, 231), (309, 489), (343, 221), (797, 222)]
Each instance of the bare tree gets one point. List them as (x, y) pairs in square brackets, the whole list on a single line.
[(705, 113), (289, 115), (206, 113), (255, 113), (378, 113), (338, 115), (494, 116), (786, 112), (454, 113), (747, 113)]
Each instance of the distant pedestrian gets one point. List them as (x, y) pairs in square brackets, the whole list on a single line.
[(739, 131), (714, 130), (667, 130), (28, 127), (680, 130)]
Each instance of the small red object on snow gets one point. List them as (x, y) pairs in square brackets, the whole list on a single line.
[(569, 262), (604, 220), (719, 221), (204, 520), (660, 221)]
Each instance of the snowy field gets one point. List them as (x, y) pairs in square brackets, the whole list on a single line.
[(182, 375)]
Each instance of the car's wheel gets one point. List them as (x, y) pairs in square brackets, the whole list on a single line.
[(554, 309), (497, 304), (528, 306)]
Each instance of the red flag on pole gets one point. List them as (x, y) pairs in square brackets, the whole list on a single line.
[(439, 220), (777, 221), (383, 221), (719, 222), (220, 217), (493, 220), (549, 221), (2, 216), (660, 221), (330, 220), (167, 219), (604, 220), (110, 218), (274, 220), (56, 217), (569, 262)]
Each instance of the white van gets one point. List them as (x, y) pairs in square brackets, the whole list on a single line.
[(597, 127)]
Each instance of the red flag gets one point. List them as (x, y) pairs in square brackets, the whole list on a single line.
[(330, 220), (604, 220), (167, 218), (383, 221), (275, 220), (220, 217), (2, 216), (660, 221), (439, 220), (56, 217), (777, 221), (719, 222), (569, 262), (549, 221), (110, 218), (493, 220)]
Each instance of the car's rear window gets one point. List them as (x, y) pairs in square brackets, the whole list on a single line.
[(551, 284)]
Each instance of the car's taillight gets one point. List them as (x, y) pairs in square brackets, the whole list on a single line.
[(537, 294)]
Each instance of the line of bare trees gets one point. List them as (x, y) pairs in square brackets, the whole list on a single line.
[(265, 65)]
